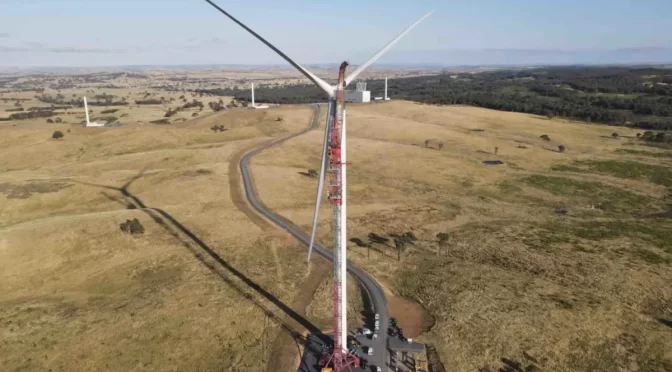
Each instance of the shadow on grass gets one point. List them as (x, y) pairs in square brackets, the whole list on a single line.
[(306, 174), (219, 267), (360, 243), (665, 322)]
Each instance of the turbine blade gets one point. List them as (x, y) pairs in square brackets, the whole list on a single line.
[(320, 182), (319, 82), (387, 47)]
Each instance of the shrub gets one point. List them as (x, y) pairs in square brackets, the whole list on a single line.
[(110, 111), (545, 137), (561, 148), (615, 135), (57, 134), (132, 227), (50, 121), (194, 114), (107, 119), (639, 135)]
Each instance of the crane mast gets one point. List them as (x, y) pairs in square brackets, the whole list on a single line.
[(340, 356)]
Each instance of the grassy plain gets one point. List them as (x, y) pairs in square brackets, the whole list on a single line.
[(202, 289), (558, 261)]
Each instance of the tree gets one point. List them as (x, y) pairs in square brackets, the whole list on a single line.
[(57, 134)]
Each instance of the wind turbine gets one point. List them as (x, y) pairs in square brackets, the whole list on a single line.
[(334, 158)]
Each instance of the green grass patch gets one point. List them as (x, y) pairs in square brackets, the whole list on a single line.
[(609, 198), (566, 168), (658, 145), (658, 174), (651, 257), (644, 153), (509, 188), (653, 232), (545, 239)]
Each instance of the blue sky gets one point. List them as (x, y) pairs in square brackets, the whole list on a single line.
[(168, 32)]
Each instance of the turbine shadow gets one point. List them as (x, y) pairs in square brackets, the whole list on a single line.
[(217, 264)]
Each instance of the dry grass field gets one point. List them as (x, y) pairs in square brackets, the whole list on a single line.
[(202, 289), (554, 260)]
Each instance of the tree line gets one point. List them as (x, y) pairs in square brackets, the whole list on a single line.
[(637, 97)]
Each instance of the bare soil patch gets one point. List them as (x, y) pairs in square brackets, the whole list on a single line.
[(411, 316)]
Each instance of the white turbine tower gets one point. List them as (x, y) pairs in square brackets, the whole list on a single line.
[(254, 106), (333, 158), (86, 110), (88, 123)]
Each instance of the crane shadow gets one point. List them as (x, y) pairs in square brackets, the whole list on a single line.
[(216, 264)]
